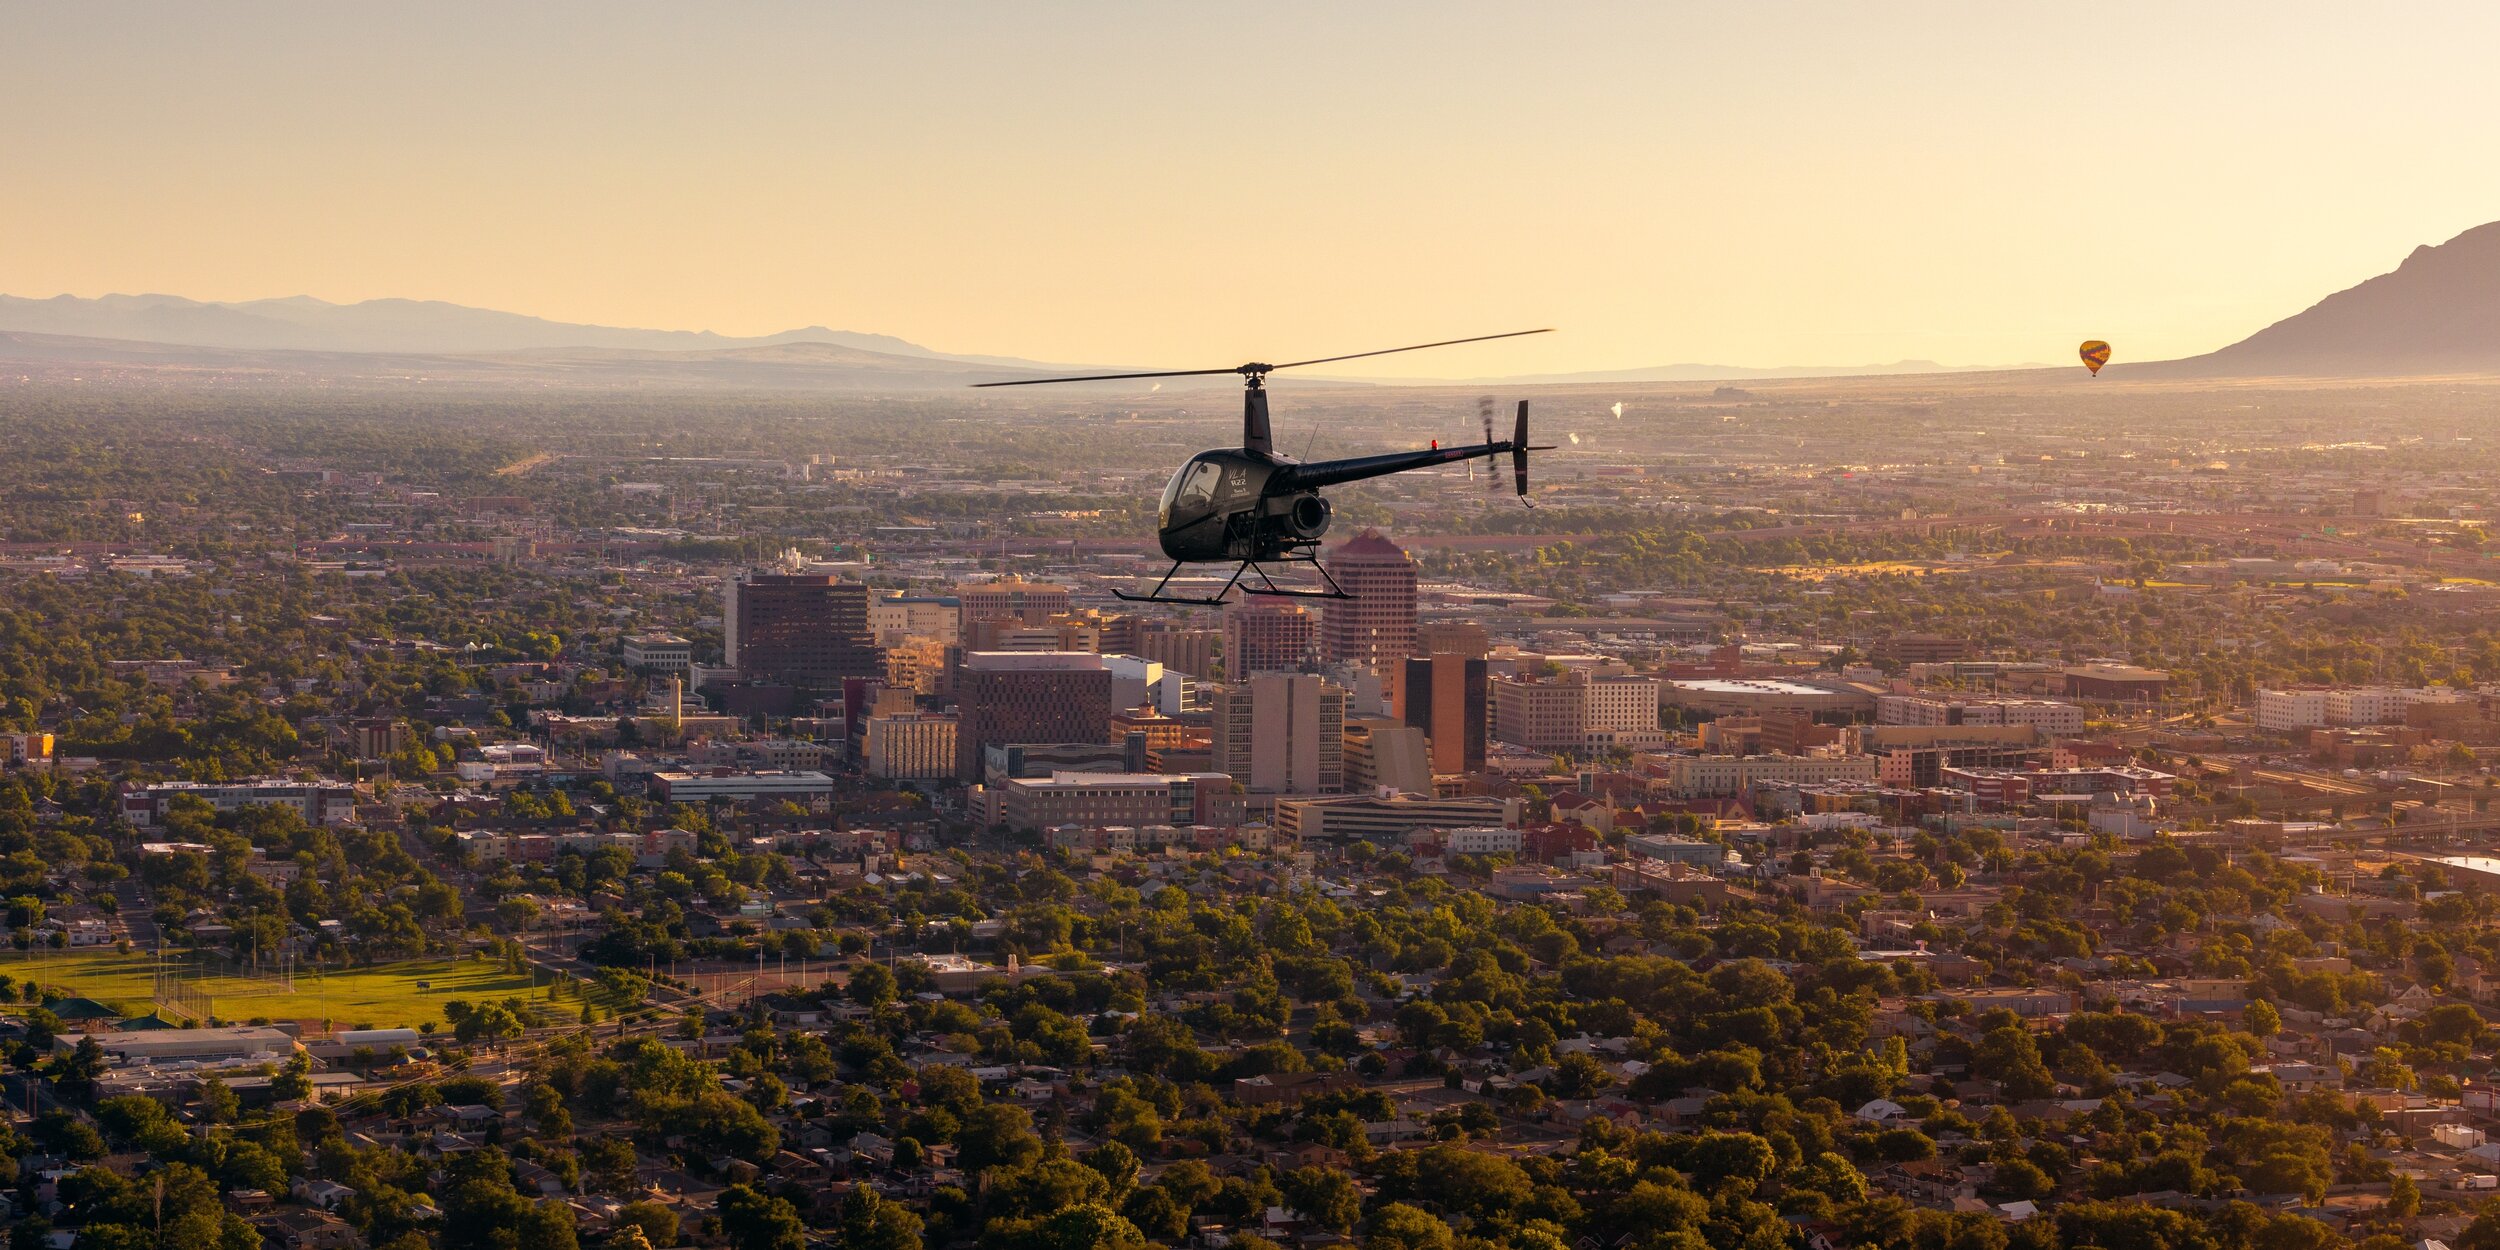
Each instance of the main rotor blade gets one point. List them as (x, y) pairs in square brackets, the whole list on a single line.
[(1390, 351), (1249, 370), (1114, 377)]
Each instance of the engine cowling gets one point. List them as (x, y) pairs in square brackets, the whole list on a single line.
[(1308, 516)]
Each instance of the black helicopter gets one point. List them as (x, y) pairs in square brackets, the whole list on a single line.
[(1251, 507)]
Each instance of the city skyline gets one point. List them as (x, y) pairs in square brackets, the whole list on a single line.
[(1786, 185)]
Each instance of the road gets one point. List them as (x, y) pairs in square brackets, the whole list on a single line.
[(138, 915)]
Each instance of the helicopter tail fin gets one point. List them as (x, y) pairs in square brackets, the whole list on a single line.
[(1519, 451)]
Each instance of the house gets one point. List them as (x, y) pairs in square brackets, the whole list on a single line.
[(324, 1195), (312, 1230), (1274, 1088), (873, 1148)]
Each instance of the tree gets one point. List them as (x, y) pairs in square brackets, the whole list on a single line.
[(2016, 1179), (294, 1079), (492, 1023), (248, 1166), (2404, 1198), (218, 1103), (138, 1120), (1402, 1227), (869, 1222), (1085, 1226), (482, 1211), (2009, 1056), (2261, 1019), (757, 1221), (545, 1106), (658, 1223), (1157, 1214), (79, 1069), (1116, 1163), (997, 1135), (1327, 1196), (2484, 1232), (870, 986)]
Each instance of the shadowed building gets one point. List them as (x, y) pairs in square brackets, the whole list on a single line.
[(1006, 697), (1444, 696), (808, 630), (1268, 636)]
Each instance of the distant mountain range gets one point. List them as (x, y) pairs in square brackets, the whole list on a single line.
[(385, 338), (394, 327), (2438, 312)]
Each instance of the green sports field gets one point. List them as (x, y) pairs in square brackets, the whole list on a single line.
[(383, 996)]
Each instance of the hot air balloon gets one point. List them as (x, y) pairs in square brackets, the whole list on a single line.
[(2095, 354)]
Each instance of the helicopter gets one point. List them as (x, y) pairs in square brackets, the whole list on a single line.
[(1251, 508)]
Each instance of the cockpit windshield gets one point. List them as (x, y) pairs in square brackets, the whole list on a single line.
[(1192, 489)]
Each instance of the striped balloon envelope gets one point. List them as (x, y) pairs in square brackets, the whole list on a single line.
[(2095, 354)]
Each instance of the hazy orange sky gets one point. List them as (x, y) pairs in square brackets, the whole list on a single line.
[(1190, 184)]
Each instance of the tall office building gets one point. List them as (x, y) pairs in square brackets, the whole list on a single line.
[(1026, 603), (1004, 697), (1376, 627), (802, 629), (895, 617), (1444, 696), (1268, 636), (1465, 638), (897, 741), (1622, 711), (1006, 633), (1383, 754), (1281, 733), (1178, 647), (1540, 715)]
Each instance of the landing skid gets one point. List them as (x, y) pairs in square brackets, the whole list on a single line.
[(1267, 586)]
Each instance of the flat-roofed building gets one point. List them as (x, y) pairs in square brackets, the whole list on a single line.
[(1104, 799), (1622, 712), (1268, 635), (1484, 840), (658, 653), (1179, 648), (1382, 754), (1743, 697), (908, 746), (318, 802), (2115, 683), (808, 630), (1446, 695), (1028, 696), (1540, 715), (2058, 720), (893, 618), (739, 787), (1281, 733), (1026, 603), (1723, 776), (229, 1044), (1675, 850), (1387, 821)]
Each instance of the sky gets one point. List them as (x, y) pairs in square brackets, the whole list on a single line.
[(1196, 184)]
